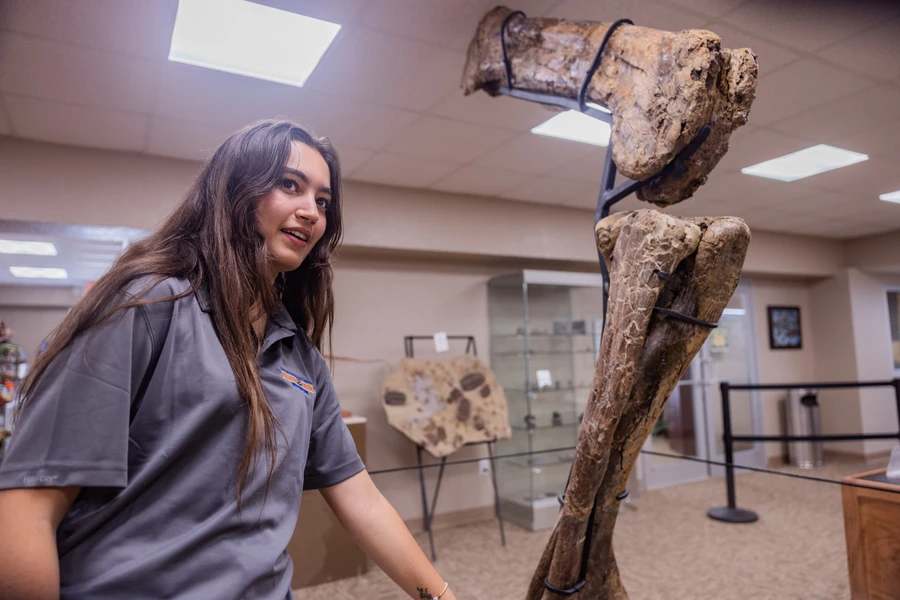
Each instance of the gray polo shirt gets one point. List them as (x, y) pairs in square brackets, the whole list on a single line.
[(157, 516)]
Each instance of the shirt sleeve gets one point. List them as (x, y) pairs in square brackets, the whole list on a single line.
[(332, 454), (73, 430)]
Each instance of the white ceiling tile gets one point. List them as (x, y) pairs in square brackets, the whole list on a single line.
[(367, 66), (713, 8), (76, 75), (730, 186), (756, 146), (501, 111), (878, 141), (769, 56), (822, 203), (537, 154), (403, 170), (874, 52), (862, 111), (194, 93), (352, 159), (76, 125), (585, 196), (810, 25), (129, 26), (189, 140), (587, 169), (798, 87), (549, 190), (644, 13), (481, 181), (450, 24), (868, 178), (354, 123), (442, 138), (342, 12)]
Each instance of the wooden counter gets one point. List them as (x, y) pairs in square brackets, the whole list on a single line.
[(321, 549), (872, 527)]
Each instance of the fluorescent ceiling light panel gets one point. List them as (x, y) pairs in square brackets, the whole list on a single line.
[(734, 312), (250, 39), (24, 247), (805, 163), (39, 272), (892, 197), (598, 107), (575, 126)]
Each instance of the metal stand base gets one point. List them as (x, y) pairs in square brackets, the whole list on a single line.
[(732, 515), (428, 515)]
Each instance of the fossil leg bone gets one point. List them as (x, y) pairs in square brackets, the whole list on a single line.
[(642, 357), (661, 87)]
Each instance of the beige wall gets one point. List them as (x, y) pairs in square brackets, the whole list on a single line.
[(32, 312), (95, 187), (874, 253), (872, 342), (416, 261), (836, 360), (377, 303), (781, 366)]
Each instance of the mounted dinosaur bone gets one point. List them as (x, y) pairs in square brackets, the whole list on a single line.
[(661, 267), (661, 87)]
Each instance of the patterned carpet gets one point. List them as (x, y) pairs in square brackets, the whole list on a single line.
[(667, 548)]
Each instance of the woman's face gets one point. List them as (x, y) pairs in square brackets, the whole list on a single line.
[(292, 217)]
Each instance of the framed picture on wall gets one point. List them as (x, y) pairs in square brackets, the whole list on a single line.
[(784, 328)]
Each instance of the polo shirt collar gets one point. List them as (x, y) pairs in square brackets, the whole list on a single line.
[(282, 317)]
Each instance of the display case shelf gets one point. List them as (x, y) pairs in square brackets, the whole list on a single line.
[(545, 326)]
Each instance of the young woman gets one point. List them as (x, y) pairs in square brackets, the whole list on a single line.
[(179, 411)]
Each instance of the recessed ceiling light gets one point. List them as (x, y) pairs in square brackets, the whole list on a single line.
[(804, 163), (892, 197), (23, 247), (250, 39), (39, 272), (734, 312), (575, 126)]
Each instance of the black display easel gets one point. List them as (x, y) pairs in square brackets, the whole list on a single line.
[(428, 515)]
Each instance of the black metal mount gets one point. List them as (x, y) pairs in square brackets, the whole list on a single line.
[(608, 196)]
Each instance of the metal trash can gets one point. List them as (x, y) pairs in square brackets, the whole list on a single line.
[(800, 416)]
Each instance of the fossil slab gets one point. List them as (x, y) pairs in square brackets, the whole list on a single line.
[(442, 405)]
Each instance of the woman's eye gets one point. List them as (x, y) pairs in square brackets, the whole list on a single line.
[(289, 184), (323, 202)]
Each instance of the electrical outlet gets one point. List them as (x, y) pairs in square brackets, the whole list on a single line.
[(484, 467)]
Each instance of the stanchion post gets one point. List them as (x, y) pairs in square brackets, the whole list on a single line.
[(730, 513)]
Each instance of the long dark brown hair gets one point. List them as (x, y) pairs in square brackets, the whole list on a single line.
[(213, 240)]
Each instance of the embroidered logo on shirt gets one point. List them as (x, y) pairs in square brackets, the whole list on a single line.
[(304, 385)]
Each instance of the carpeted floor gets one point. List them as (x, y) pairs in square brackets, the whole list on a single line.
[(667, 549)]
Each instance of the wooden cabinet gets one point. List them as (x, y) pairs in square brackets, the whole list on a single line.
[(321, 549), (872, 526)]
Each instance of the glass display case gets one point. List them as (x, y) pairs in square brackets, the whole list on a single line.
[(545, 339)]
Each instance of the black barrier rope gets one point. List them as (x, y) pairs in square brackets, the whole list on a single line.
[(714, 463)]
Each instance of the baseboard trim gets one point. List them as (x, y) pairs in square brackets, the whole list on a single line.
[(452, 519)]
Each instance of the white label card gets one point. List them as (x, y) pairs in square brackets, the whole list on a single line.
[(440, 342), (543, 379)]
